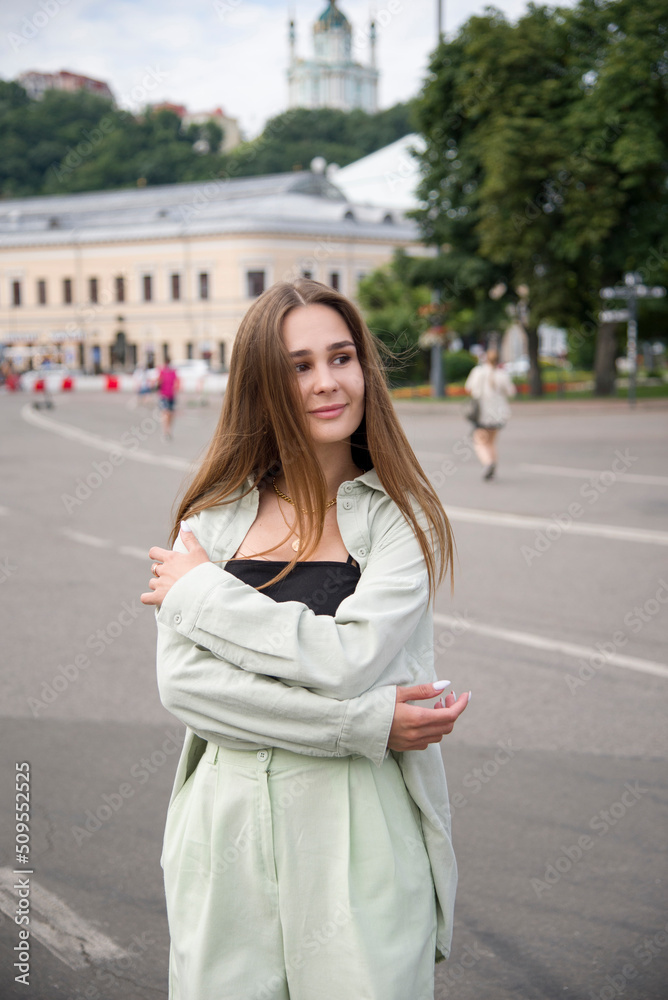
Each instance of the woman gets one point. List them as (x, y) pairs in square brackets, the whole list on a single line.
[(168, 384), (491, 387), (307, 848)]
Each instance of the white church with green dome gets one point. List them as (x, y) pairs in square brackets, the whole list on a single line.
[(332, 78)]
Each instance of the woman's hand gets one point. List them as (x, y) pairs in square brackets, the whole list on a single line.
[(414, 728), (171, 566)]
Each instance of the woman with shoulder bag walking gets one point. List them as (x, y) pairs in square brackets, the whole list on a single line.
[(490, 389)]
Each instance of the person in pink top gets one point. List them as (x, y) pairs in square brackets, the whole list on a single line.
[(168, 384)]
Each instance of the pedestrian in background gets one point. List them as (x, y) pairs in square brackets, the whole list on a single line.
[(490, 389), (307, 852), (168, 384)]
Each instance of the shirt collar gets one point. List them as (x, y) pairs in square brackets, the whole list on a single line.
[(369, 478)]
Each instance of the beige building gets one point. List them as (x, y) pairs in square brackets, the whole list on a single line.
[(108, 280)]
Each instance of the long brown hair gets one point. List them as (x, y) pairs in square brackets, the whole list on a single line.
[(262, 430)]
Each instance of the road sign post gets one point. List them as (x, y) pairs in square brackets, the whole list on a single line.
[(632, 290)]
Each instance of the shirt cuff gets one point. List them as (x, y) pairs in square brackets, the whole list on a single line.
[(183, 602), (367, 723)]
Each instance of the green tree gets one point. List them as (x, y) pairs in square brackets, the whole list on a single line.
[(394, 308), (292, 139), (80, 142), (545, 165)]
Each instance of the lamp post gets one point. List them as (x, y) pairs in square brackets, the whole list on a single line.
[(434, 338), (439, 19), (632, 290)]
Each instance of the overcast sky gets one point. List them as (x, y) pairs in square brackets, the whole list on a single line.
[(209, 53)]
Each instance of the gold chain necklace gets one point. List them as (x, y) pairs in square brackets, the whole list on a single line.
[(284, 496)]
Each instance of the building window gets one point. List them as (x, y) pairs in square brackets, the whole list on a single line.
[(255, 283), (176, 287), (189, 350), (335, 281), (221, 353), (165, 354), (67, 291), (92, 289), (41, 292), (203, 285), (148, 287), (120, 288), (16, 293), (307, 274)]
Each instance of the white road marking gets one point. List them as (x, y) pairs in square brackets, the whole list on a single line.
[(622, 477), (78, 536), (130, 550), (67, 935), (497, 517), (508, 635), (105, 543), (103, 444), (556, 646)]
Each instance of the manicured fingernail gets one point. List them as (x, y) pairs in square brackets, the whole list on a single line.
[(439, 685), (469, 697), (184, 526)]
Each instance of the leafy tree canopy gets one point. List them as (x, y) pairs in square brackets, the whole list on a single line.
[(547, 154), (80, 142)]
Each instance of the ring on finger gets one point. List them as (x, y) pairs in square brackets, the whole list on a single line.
[(154, 569)]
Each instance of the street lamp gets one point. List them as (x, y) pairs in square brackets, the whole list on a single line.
[(632, 290)]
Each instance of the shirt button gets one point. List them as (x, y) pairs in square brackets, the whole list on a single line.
[(177, 619), (348, 488), (347, 504), (262, 755), (362, 552)]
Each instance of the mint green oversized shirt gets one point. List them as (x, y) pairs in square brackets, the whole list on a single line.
[(244, 671)]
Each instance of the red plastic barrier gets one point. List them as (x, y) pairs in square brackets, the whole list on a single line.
[(68, 384), (112, 383), (39, 385)]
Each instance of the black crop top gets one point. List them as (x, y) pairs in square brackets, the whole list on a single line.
[(320, 585)]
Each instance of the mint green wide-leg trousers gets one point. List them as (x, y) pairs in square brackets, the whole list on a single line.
[(290, 877)]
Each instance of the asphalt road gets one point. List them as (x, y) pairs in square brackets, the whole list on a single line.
[(557, 770)]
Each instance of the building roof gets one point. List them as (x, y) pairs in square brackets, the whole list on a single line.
[(387, 178), (299, 203), (332, 17)]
